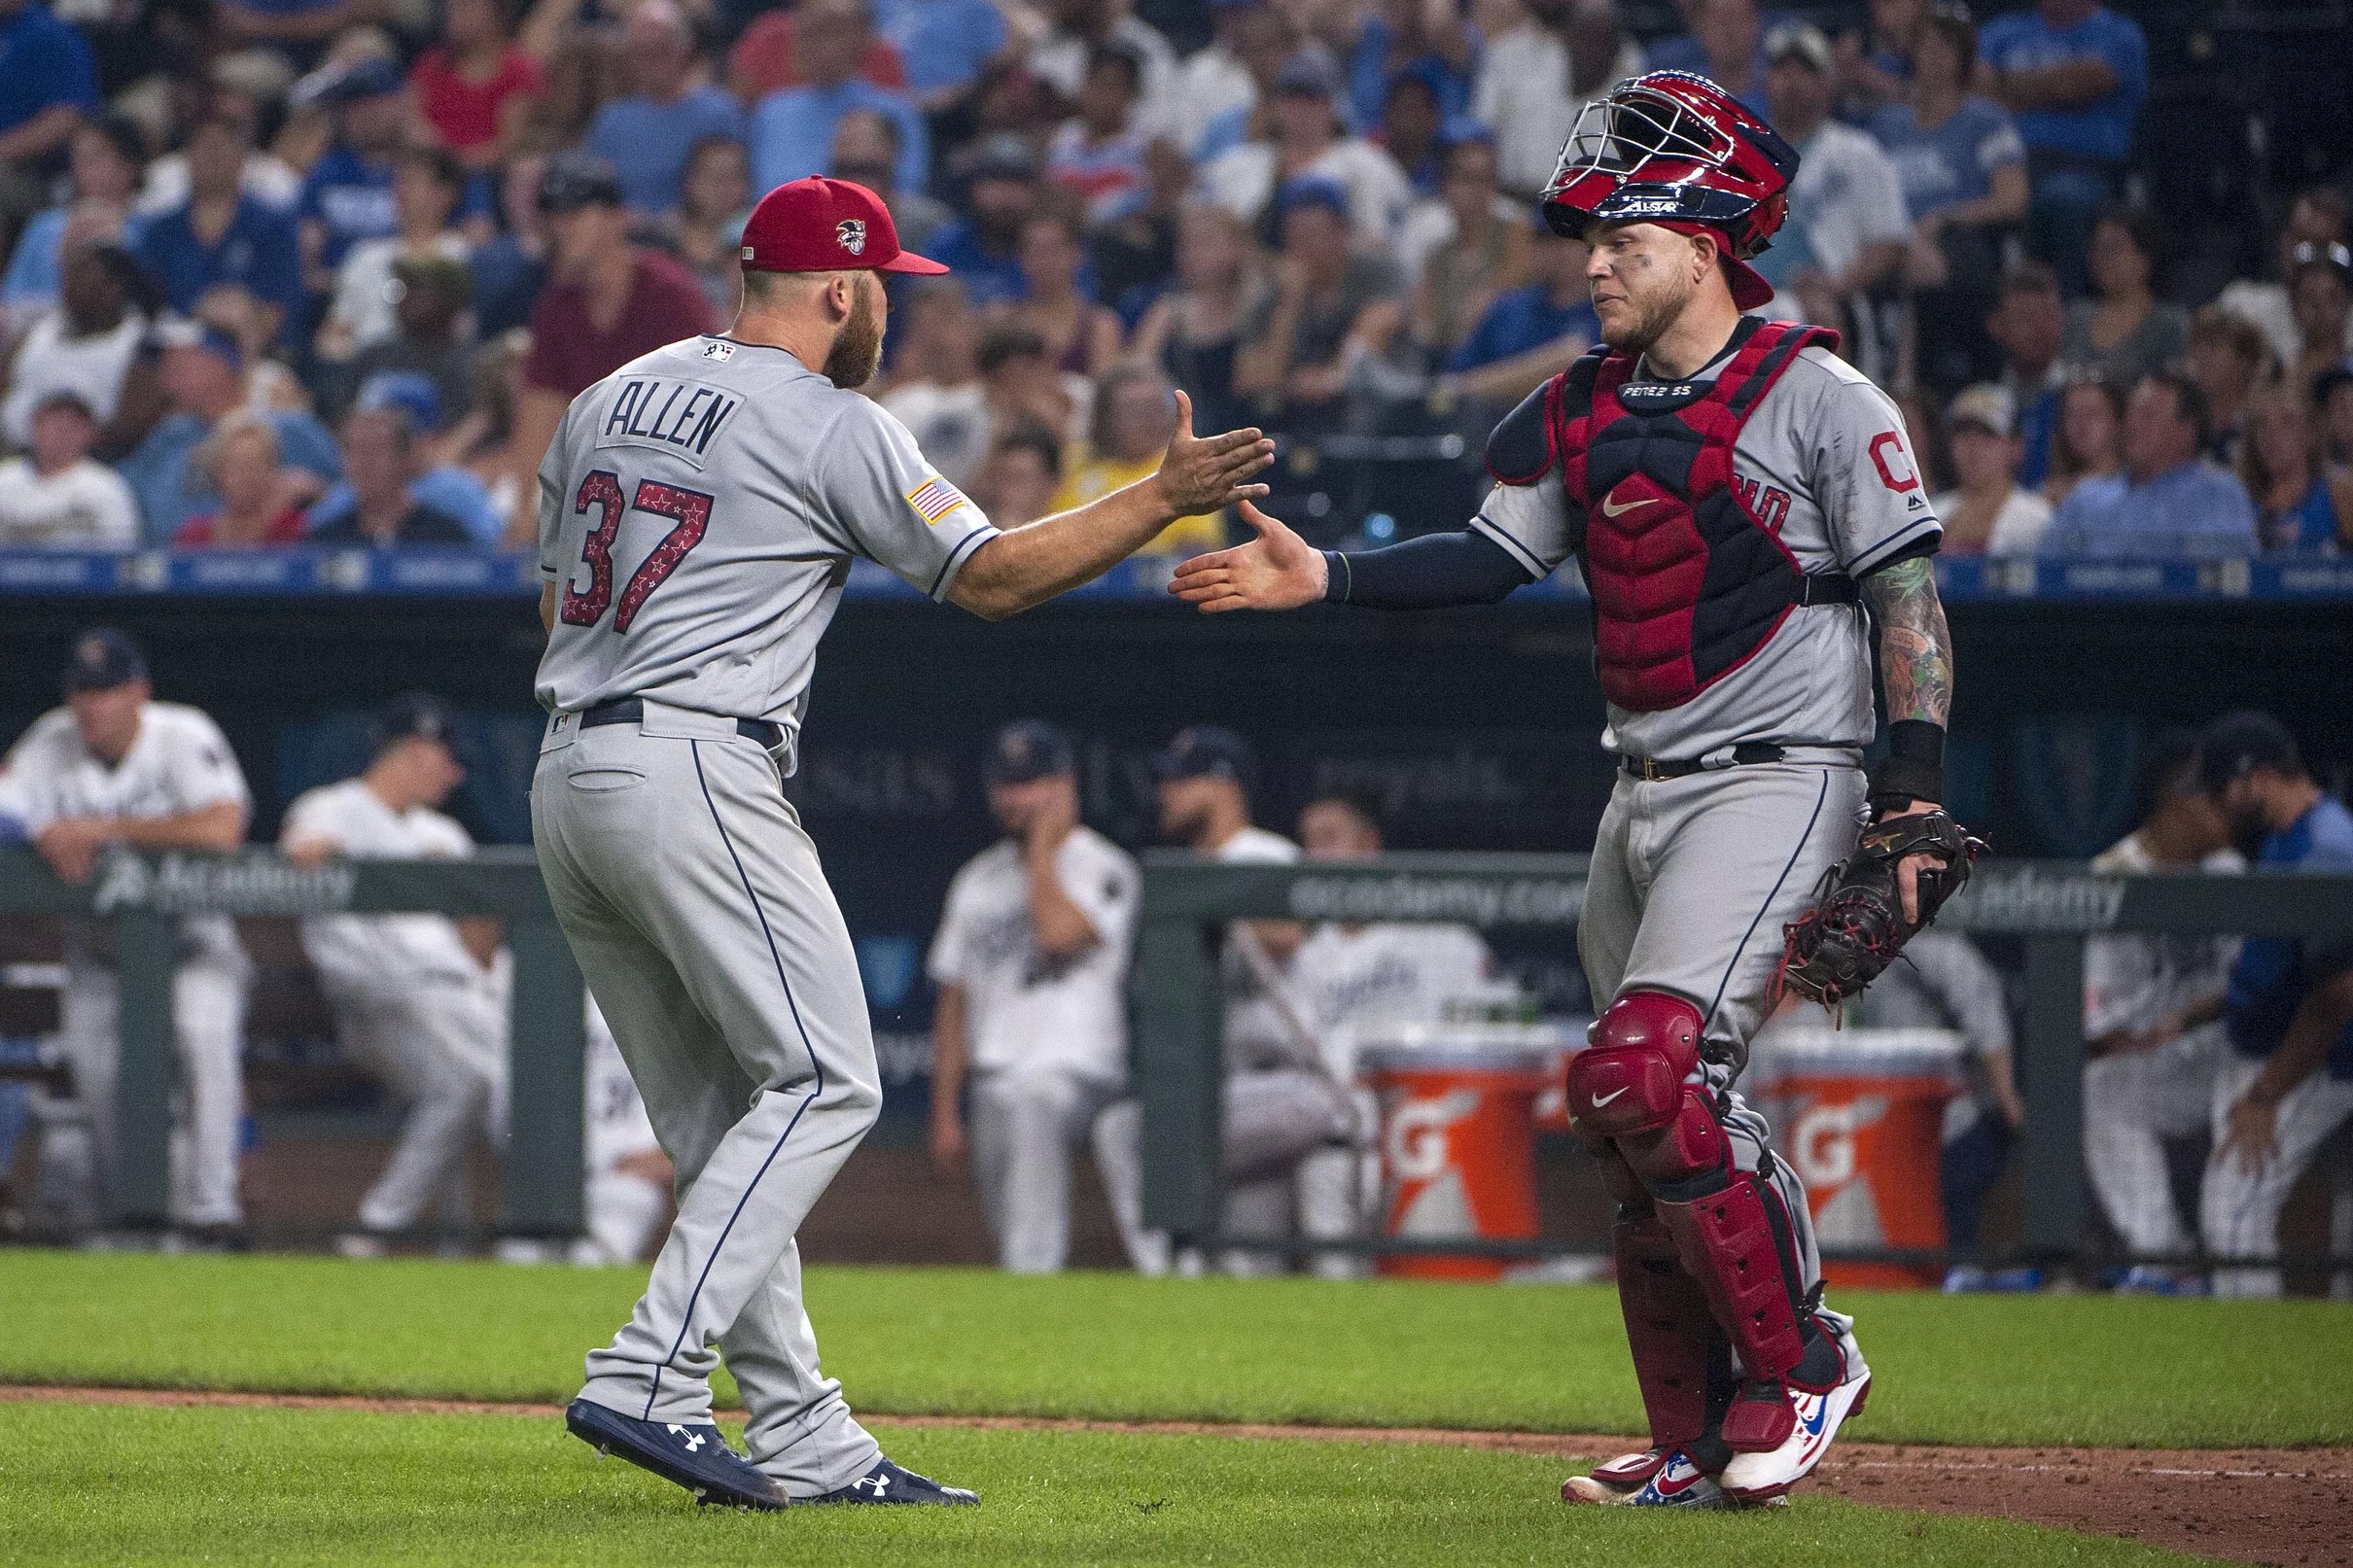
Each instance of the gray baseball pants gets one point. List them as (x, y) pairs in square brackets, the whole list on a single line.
[(695, 904), (1026, 1124), (1692, 881)]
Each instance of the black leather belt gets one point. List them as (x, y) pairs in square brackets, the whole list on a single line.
[(1652, 770), (632, 710)]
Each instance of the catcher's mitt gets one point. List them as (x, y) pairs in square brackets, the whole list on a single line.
[(1857, 927)]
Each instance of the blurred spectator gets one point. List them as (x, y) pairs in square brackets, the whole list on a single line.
[(1846, 229), (2288, 1085), (1194, 330), (1098, 152), (945, 44), (1412, 131), (102, 172), (1688, 50), (2151, 1018), (425, 190), (241, 460), (671, 105), (1964, 176), (2317, 216), (1990, 512), (1736, 45), (441, 484), (380, 461), (248, 322), (91, 346), (1539, 74), (865, 151), (1305, 141), (202, 378), (2333, 406), (1023, 387), (1081, 336), (1135, 414), (937, 391), (222, 235), (765, 59), (1017, 480), (1529, 334), (1430, 43), (267, 178), (482, 444), (2127, 332), (792, 129), (2169, 502), (2300, 502), (1079, 28), (477, 90), (2087, 438), (427, 339), (714, 196), (1030, 962), (347, 195), (1877, 66), (510, 267), (2027, 324), (1330, 307), (1222, 87), (56, 497), (46, 84), (2075, 74), (2226, 358), (1461, 249), (984, 250), (606, 302), (2321, 291)]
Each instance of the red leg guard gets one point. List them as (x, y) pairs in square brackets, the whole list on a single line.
[(1668, 1328), (1725, 1241)]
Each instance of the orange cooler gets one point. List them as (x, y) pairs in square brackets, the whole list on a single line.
[(1458, 1149), (1859, 1114)]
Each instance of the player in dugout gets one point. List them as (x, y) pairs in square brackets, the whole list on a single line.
[(1735, 495)]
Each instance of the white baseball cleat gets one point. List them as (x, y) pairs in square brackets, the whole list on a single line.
[(1647, 1480), (1759, 1477)]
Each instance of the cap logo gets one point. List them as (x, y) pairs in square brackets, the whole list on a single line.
[(747, 254), (91, 654), (852, 233)]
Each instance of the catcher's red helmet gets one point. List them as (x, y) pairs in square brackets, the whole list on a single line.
[(1676, 149)]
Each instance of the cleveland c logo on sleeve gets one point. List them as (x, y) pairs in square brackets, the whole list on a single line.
[(1883, 443), (934, 499)]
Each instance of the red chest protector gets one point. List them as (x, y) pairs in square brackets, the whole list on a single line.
[(1688, 583)]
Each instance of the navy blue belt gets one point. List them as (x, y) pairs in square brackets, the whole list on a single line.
[(1652, 769), (632, 710)]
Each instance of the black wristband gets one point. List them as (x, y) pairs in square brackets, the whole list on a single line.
[(1913, 768), (1336, 576)]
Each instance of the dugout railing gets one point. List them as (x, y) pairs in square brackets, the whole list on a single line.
[(2050, 906)]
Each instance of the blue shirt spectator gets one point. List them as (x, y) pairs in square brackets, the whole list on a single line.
[(258, 251), (646, 141), (2035, 53), (44, 68), (1525, 319), (347, 196), (791, 133), (2273, 974), (202, 376), (1371, 67), (2168, 503), (1953, 162), (944, 43)]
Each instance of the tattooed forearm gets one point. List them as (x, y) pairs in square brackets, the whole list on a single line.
[(1916, 650)]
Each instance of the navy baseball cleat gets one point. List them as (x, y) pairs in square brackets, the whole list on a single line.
[(887, 1483), (696, 1457)]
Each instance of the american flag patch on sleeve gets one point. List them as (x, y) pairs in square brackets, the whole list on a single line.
[(936, 499)]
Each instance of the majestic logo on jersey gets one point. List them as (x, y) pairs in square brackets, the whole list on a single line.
[(935, 499), (852, 233)]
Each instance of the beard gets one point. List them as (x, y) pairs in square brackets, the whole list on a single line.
[(1652, 316), (858, 351)]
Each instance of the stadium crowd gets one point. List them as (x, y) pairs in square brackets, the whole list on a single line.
[(283, 272)]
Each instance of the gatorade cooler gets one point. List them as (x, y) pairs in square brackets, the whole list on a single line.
[(1458, 1145), (1860, 1114)]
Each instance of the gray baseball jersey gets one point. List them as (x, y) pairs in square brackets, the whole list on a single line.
[(1825, 464), (699, 509)]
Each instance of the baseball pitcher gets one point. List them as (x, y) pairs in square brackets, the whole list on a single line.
[(700, 509), (1735, 495)]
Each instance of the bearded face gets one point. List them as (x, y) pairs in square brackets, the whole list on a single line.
[(1643, 279), (856, 352)]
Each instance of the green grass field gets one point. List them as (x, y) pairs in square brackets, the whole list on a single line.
[(88, 1483)]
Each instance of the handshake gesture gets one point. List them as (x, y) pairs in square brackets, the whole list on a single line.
[(1276, 571)]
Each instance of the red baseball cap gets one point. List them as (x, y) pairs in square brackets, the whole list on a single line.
[(819, 224)]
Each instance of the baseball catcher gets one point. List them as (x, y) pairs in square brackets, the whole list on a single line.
[(1744, 506)]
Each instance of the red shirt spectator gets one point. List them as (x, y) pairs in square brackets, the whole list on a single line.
[(761, 61), (570, 352), (258, 509), (207, 533), (464, 111)]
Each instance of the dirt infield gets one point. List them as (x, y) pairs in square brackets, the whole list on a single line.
[(2283, 1506)]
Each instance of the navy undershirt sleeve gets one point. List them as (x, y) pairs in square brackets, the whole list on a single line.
[(1429, 573)]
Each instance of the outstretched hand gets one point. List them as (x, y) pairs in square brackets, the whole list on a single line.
[(1203, 473), (1276, 571)]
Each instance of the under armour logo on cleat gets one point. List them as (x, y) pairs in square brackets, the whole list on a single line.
[(694, 1439), (878, 1485)]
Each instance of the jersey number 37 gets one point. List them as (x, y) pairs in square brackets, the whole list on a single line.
[(689, 509)]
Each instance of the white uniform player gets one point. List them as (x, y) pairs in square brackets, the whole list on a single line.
[(1040, 1014), (699, 512), (116, 767), (1734, 493)]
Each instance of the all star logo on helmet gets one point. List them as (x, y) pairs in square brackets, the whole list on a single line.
[(852, 233)]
